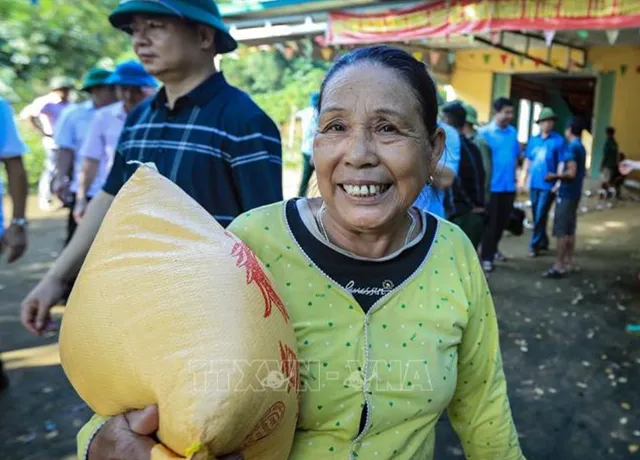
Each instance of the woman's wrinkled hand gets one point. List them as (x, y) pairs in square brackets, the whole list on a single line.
[(129, 437), (126, 436)]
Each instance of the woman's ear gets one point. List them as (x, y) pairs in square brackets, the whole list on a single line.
[(437, 142)]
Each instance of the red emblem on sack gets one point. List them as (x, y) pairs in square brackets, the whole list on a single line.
[(255, 274), (290, 367), (267, 424)]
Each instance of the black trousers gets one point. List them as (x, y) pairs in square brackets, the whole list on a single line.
[(500, 206), (72, 225)]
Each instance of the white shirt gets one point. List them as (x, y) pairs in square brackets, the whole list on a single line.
[(101, 141), (70, 131)]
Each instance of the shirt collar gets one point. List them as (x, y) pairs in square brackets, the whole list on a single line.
[(198, 96)]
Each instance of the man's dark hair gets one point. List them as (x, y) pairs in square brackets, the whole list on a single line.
[(576, 126), (455, 114), (611, 131), (413, 71), (501, 103)]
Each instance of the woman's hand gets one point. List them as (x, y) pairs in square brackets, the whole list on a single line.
[(128, 437)]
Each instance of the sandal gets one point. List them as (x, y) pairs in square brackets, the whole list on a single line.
[(554, 273)]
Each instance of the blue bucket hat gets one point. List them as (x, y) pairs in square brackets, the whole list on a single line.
[(131, 73), (201, 11)]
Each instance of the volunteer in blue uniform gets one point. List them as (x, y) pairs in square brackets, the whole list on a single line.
[(542, 157), (502, 139)]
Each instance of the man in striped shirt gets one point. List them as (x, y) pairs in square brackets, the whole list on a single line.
[(206, 136)]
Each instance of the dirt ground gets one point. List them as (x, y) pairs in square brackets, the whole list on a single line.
[(573, 371)]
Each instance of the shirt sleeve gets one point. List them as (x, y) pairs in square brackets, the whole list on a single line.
[(517, 152), (63, 132), (11, 144), (528, 153), (116, 179), (34, 109), (93, 144), (451, 156), (255, 157), (570, 153), (87, 433), (480, 412)]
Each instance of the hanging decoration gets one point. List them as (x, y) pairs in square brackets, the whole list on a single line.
[(442, 18), (504, 57), (486, 57), (623, 69), (451, 57), (434, 56), (612, 36), (537, 61), (638, 69), (512, 63), (418, 55), (549, 35)]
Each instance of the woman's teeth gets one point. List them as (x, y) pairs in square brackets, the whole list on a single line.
[(365, 190)]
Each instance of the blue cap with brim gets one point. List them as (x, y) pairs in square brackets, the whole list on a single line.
[(131, 73), (201, 11)]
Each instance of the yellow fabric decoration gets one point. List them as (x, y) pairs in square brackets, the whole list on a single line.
[(171, 309)]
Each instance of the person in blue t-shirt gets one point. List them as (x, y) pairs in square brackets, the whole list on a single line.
[(543, 156), (569, 193), (502, 139), (13, 238)]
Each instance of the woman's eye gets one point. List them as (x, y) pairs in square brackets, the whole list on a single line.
[(335, 127), (387, 128), (155, 25)]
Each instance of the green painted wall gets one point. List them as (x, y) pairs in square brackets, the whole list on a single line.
[(602, 113)]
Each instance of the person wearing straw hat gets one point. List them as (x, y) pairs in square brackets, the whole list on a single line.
[(69, 134), (132, 84), (543, 156), (43, 113), (208, 137)]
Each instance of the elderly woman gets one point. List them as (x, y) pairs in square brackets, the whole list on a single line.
[(391, 309)]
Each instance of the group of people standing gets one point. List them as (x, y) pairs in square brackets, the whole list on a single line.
[(485, 164), (80, 138)]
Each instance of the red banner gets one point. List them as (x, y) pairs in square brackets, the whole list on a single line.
[(444, 18)]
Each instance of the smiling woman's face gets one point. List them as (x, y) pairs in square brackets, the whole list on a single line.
[(371, 153)]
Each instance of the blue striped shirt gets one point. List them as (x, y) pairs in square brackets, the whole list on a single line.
[(216, 144)]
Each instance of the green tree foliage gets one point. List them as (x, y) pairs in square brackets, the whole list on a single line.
[(52, 38), (278, 85)]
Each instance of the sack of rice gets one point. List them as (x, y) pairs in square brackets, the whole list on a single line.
[(171, 309)]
